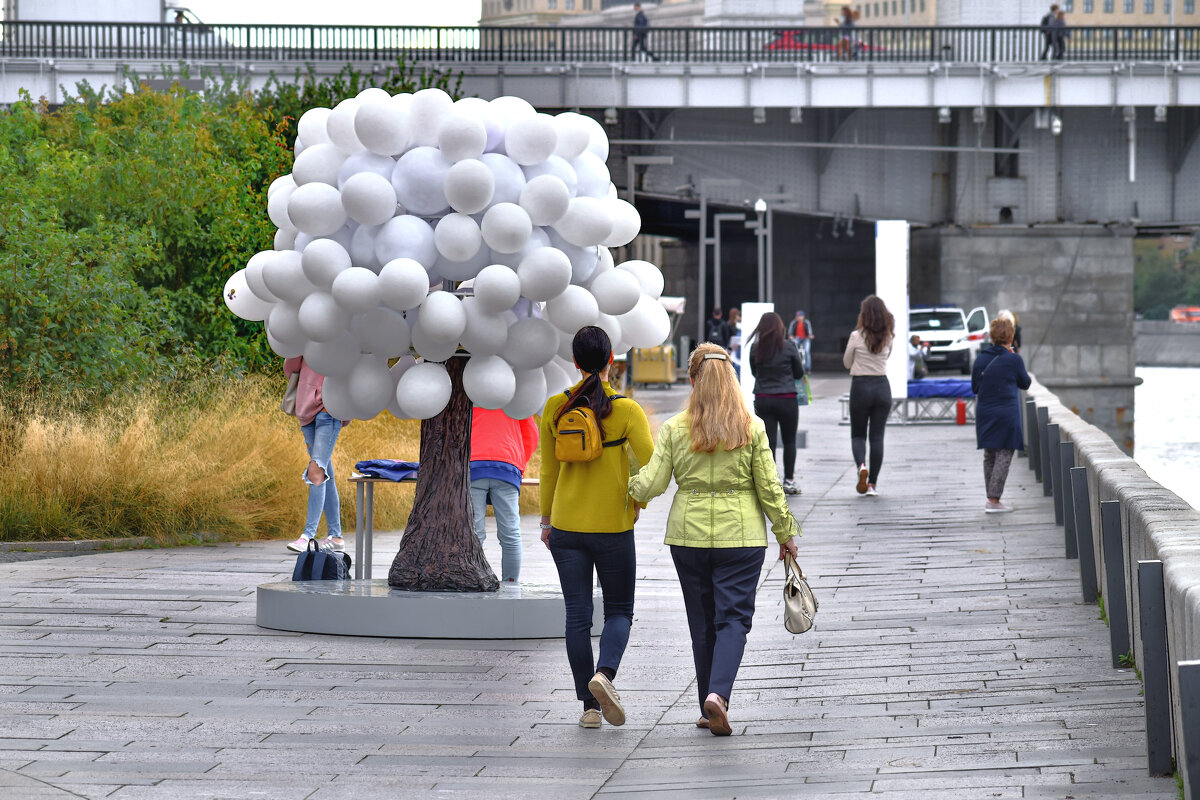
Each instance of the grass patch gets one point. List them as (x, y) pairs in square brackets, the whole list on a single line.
[(214, 456)]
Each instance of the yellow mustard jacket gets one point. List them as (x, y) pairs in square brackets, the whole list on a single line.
[(722, 496), (592, 496)]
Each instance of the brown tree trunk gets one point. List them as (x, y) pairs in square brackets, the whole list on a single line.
[(439, 551)]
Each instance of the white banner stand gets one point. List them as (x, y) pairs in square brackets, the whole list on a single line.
[(891, 286), (751, 315)]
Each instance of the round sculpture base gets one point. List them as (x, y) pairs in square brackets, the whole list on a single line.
[(372, 608)]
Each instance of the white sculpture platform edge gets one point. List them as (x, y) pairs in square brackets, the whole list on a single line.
[(372, 608)]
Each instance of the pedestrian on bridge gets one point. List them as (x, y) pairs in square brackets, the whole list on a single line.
[(641, 31), (866, 357), (718, 455), (1059, 33), (1047, 32), (997, 375)]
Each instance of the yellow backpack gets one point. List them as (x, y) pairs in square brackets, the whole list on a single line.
[(577, 435)]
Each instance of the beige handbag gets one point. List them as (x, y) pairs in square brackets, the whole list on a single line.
[(288, 404), (799, 603)]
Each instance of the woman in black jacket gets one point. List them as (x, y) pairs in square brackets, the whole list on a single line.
[(776, 366), (997, 375)]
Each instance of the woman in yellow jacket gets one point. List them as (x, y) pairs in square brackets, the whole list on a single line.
[(719, 455), (587, 522)]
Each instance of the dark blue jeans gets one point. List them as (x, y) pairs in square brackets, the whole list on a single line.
[(613, 558), (719, 585)]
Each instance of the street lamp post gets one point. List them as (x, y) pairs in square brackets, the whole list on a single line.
[(701, 214), (717, 220), (760, 234)]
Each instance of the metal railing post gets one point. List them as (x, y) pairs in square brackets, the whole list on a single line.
[(1043, 421), (1062, 497), (1189, 710), (1083, 533), (1032, 448), (1116, 602), (1054, 474), (1155, 680)]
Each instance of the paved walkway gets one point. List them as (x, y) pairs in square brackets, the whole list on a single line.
[(951, 659)]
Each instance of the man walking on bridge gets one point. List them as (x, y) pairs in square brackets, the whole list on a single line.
[(641, 30), (1047, 34)]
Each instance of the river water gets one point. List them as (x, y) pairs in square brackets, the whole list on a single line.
[(1166, 428)]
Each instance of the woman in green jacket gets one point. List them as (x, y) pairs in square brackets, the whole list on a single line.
[(719, 456)]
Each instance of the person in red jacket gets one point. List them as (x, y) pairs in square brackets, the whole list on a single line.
[(500, 450)]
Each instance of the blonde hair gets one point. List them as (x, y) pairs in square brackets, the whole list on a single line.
[(717, 411)]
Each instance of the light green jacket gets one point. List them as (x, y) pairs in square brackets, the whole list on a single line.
[(722, 496)]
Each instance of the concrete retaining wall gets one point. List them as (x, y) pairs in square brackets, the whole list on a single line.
[(1156, 525), (1166, 344)]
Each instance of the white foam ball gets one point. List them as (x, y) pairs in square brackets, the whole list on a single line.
[(489, 381), (334, 358), (566, 342), (419, 178), (362, 247), (557, 379), (647, 325), (530, 140), (559, 168), (364, 161), (461, 136), (506, 227), (496, 288), (311, 128), (457, 237), (369, 198), (321, 318), (430, 348), (544, 273), (442, 316), (469, 186), (531, 343), (406, 236), (284, 323), (611, 325), (340, 126), (484, 334), (616, 291), (507, 178), (381, 331), (530, 395), (604, 261), (627, 222), (511, 107), (285, 239), (383, 128), (493, 123), (583, 259), (254, 275), (243, 302), (423, 390), (318, 163), (428, 108), (537, 239), (403, 283), (284, 349), (373, 94), (335, 396), (546, 199), (573, 135), (281, 182), (277, 207), (593, 175), (597, 138), (649, 277), (356, 289), (371, 386), (323, 260), (463, 270), (316, 209), (574, 308), (285, 278), (586, 223)]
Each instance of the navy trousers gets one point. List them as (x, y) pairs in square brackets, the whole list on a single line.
[(719, 586)]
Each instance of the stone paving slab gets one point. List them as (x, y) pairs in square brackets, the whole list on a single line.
[(951, 659)]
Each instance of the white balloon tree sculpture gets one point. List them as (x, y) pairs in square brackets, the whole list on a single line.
[(432, 254)]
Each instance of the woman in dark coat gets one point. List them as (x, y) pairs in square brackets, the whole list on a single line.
[(776, 366), (997, 375)]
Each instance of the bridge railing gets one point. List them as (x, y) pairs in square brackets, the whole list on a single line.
[(173, 42)]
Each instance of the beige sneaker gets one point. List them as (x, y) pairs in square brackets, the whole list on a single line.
[(590, 718), (610, 702)]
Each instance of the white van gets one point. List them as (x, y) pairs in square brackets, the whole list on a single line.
[(954, 338)]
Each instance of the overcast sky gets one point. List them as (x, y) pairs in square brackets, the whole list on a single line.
[(337, 12)]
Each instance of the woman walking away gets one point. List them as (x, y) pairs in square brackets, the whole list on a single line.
[(776, 365), (719, 457), (870, 394), (996, 377), (320, 432), (587, 518)]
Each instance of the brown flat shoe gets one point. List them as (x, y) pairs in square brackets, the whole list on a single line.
[(718, 720), (702, 722)]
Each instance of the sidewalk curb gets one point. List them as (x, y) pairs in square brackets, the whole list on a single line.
[(92, 545)]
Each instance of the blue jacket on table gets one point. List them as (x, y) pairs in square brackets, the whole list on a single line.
[(995, 379)]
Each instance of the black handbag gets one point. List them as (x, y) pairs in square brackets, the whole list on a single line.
[(318, 564)]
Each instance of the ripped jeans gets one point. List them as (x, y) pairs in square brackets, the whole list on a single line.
[(320, 436)]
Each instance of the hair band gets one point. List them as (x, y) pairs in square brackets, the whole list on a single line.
[(715, 357)]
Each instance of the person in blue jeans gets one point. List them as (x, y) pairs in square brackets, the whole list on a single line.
[(320, 431), (500, 450)]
